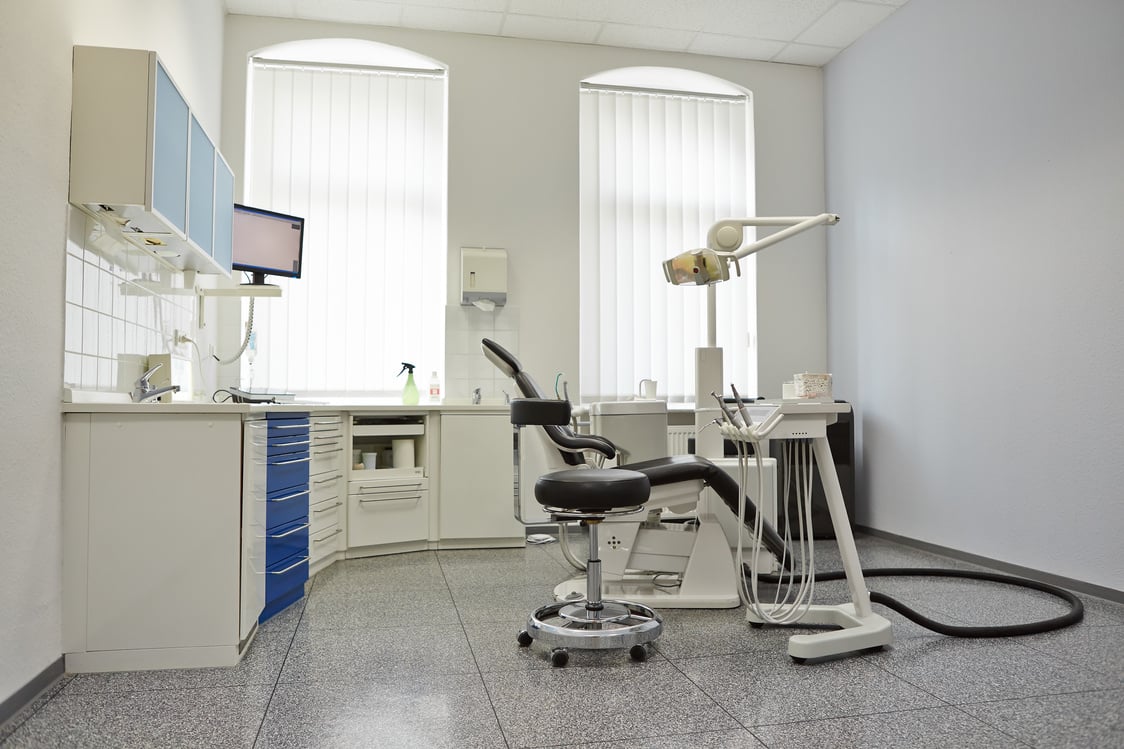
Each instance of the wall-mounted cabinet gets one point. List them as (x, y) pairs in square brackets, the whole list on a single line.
[(141, 163)]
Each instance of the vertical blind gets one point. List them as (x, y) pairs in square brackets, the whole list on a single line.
[(360, 153), (656, 170)]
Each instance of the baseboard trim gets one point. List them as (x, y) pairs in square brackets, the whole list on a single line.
[(1078, 586), (29, 691)]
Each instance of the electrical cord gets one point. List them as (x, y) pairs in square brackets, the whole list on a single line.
[(1075, 614), (245, 340)]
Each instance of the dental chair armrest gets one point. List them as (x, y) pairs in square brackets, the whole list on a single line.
[(564, 439), (539, 412)]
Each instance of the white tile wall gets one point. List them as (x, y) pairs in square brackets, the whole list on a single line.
[(465, 364), (111, 308)]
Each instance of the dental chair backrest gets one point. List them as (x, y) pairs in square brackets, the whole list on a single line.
[(565, 448)]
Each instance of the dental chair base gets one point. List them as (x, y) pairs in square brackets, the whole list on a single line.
[(691, 565)]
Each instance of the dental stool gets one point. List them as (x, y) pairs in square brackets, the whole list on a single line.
[(588, 495)]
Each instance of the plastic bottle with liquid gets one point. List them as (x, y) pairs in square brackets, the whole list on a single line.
[(410, 392), (434, 388)]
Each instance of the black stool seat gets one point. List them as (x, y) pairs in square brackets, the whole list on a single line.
[(594, 490)]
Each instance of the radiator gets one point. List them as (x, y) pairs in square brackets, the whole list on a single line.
[(677, 437)]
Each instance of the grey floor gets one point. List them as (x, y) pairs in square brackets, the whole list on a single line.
[(419, 650)]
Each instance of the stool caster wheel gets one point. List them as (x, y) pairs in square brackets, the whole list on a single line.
[(638, 653), (559, 657), (524, 638)]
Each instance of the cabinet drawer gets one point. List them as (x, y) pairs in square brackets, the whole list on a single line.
[(387, 518), (326, 424), (327, 485), (285, 507), (286, 471), (325, 542), (286, 540), (326, 453), (285, 575), (328, 512), (407, 484)]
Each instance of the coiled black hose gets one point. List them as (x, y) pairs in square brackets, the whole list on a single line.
[(1075, 614)]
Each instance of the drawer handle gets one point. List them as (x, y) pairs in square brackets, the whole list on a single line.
[(391, 496), (336, 532), (292, 496), (289, 426), (409, 486), (329, 452), (298, 529), (290, 567), (338, 421), (290, 462), (290, 444), (328, 509), (337, 477)]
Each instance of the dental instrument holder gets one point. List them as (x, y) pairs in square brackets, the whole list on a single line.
[(860, 628)]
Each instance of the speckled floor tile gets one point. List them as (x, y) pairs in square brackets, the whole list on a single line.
[(768, 687), (972, 602), (630, 702), (1098, 648), (8, 727), (932, 728), (482, 568), (424, 711), (347, 610), (495, 648), (212, 717), (962, 671), (285, 620), (260, 665), (694, 633), (1086, 720), (506, 605), (372, 654), (394, 572), (738, 739)]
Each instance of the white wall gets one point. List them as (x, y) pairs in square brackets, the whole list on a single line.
[(976, 153), (35, 54), (513, 174)]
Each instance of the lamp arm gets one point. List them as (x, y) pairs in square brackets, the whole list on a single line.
[(725, 236)]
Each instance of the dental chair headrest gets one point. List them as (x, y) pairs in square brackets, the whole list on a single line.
[(501, 357)]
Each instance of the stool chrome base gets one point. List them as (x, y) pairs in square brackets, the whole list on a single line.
[(569, 624)]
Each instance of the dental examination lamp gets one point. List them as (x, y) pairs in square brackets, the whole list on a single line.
[(707, 267)]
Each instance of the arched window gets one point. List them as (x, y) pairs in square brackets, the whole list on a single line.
[(350, 134), (664, 154)]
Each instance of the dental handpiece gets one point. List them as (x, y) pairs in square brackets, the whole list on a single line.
[(743, 410), (731, 417)]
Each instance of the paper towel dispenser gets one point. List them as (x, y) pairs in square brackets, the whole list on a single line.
[(483, 277)]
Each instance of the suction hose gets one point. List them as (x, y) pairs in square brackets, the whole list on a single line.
[(1075, 614)]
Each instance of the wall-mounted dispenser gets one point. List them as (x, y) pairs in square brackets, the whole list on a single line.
[(483, 277)]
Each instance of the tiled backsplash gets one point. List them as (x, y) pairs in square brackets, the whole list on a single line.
[(117, 302), (465, 365)]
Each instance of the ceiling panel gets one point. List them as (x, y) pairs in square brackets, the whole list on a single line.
[(800, 32)]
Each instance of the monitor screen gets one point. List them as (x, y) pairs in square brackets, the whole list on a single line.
[(266, 243)]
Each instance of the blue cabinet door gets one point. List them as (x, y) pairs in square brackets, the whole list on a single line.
[(201, 195), (169, 152)]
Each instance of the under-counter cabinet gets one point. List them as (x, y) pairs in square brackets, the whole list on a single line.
[(327, 515), (151, 540), (476, 474)]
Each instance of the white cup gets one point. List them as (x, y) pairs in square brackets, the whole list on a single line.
[(370, 461), (648, 389)]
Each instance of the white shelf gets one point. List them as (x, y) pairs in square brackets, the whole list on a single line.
[(387, 430), (243, 290)]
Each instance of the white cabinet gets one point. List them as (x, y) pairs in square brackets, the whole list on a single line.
[(140, 161), (327, 515), (152, 546), (477, 504)]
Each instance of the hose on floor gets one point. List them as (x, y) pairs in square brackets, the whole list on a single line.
[(1075, 614)]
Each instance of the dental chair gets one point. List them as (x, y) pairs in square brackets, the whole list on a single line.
[(644, 559)]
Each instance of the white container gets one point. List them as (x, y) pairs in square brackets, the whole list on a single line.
[(638, 428), (370, 461), (403, 453)]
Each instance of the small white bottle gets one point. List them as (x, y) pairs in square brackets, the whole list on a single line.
[(434, 388)]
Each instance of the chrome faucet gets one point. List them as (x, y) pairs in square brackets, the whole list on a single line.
[(144, 391), (476, 397)]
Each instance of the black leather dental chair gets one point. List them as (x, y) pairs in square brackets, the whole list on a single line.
[(571, 449), (588, 495)]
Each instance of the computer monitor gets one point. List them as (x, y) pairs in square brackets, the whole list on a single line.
[(266, 243)]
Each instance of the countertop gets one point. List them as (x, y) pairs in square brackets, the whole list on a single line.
[(105, 402)]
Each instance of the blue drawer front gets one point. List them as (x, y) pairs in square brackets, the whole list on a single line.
[(284, 583), (286, 507), (286, 541), (287, 444), (285, 471)]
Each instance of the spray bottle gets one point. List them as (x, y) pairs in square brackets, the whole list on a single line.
[(410, 392)]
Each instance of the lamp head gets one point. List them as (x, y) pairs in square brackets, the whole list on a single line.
[(699, 267)]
